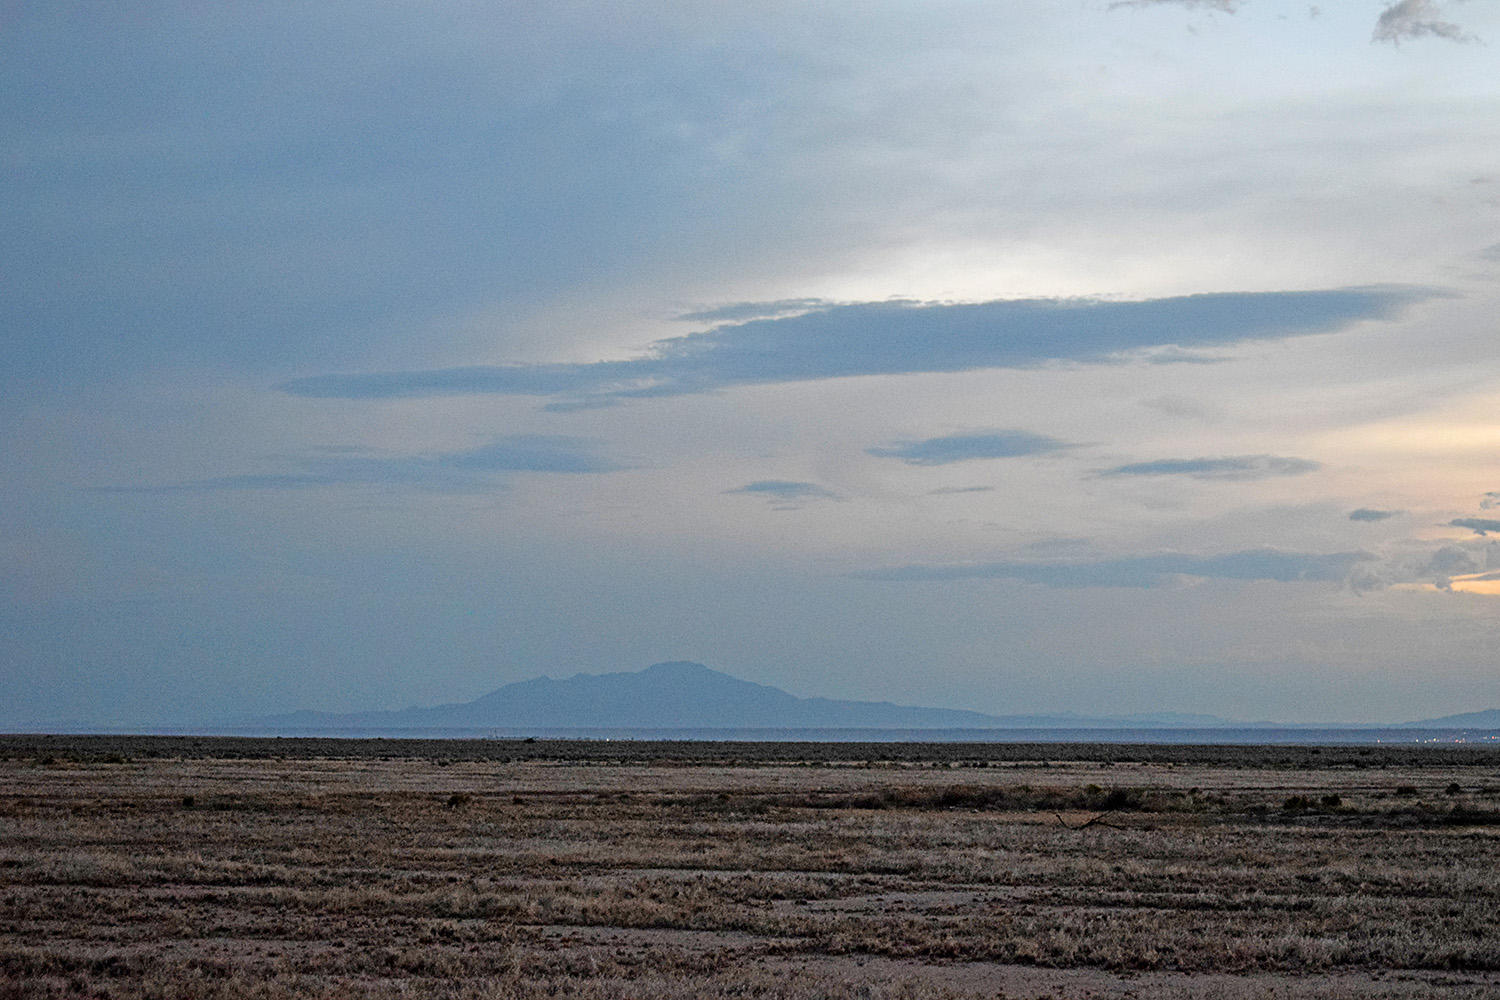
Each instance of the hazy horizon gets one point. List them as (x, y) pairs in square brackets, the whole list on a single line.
[(1108, 357), (1041, 721)]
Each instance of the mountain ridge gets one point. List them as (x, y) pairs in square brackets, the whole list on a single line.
[(1487, 719), (682, 694), (686, 695)]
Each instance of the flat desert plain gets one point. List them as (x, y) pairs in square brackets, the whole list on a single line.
[(225, 868)]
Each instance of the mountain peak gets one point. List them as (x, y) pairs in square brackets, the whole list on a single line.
[(679, 668), (676, 694), (682, 694)]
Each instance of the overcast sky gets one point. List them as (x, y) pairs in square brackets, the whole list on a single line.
[(1015, 356)]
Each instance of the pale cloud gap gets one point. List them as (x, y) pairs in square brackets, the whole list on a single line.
[(1409, 19), (970, 447), (459, 471), (1142, 571), (896, 338), (1177, 356), (1372, 514), (1485, 584), (1232, 467), (1478, 525), (739, 312), (1185, 407)]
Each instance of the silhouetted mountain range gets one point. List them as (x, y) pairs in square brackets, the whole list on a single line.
[(682, 695), (1488, 719)]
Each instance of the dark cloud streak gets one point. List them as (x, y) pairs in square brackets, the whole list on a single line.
[(784, 490), (1233, 467), (460, 471), (1478, 525), (897, 338), (953, 490), (1142, 571), (970, 447)]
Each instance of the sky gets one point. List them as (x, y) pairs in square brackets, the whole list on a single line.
[(1019, 357)]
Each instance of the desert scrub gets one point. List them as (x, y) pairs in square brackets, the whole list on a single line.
[(621, 878)]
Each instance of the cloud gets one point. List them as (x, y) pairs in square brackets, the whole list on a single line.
[(1487, 584), (1489, 500), (1450, 560), (1371, 514), (1234, 467), (968, 447), (1398, 21), (1478, 525), (1143, 571), (785, 490), (950, 490), (1408, 19), (1447, 563), (897, 338), (1401, 20), (474, 469), (1453, 569)]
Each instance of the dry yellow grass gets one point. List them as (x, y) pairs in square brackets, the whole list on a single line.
[(649, 874)]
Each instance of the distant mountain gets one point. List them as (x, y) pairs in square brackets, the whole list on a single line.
[(1488, 719), (684, 695)]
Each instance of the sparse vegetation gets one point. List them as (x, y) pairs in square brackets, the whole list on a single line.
[(662, 870)]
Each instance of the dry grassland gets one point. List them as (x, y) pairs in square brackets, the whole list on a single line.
[(225, 869)]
